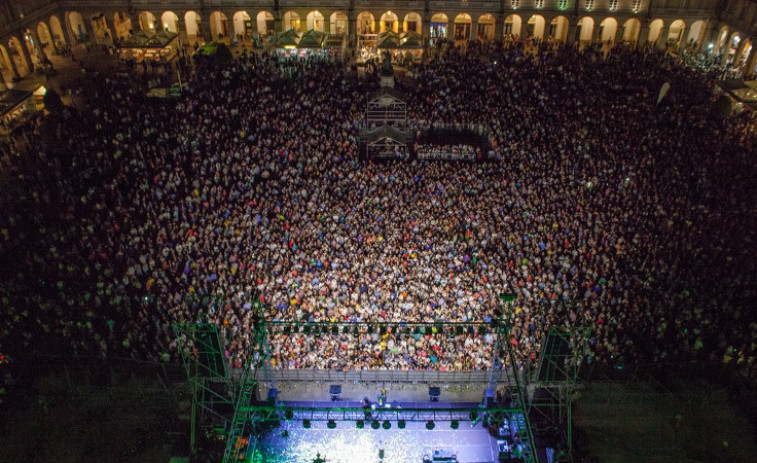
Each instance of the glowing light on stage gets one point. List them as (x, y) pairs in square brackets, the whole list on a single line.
[(353, 448)]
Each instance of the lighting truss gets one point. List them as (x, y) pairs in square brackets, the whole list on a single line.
[(284, 412)]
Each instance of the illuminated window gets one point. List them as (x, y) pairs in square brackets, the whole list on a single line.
[(636, 6), (515, 3), (613, 5), (589, 5), (539, 3), (562, 4)]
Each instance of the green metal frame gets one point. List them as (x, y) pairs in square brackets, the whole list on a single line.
[(556, 374), (202, 353), (259, 358), (276, 412)]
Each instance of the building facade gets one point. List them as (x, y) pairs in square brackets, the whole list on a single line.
[(726, 29)]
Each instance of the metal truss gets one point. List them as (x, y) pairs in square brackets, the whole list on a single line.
[(275, 413), (555, 378), (201, 350)]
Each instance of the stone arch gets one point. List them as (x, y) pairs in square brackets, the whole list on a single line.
[(36, 54), (366, 23), (676, 31), (631, 30), (242, 25), (608, 30), (513, 25), (655, 30), (339, 23), (744, 56), (45, 38), (122, 24), (57, 31), (315, 21), (585, 29), (413, 22), (266, 23), (463, 25), (439, 27), (219, 26), (558, 29), (389, 22), (169, 21), (695, 33), (147, 21), (100, 29), (536, 25), (291, 20), (77, 26), (193, 24), (721, 40), (17, 55), (485, 27), (732, 47), (5, 65)]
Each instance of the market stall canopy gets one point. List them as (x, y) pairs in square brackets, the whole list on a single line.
[(145, 39), (334, 41), (384, 134), (388, 40), (287, 39), (411, 40), (311, 39), (387, 95), (743, 94), (10, 99)]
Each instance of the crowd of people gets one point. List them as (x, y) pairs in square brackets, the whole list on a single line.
[(603, 208)]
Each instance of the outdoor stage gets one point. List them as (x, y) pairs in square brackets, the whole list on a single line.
[(346, 444), (470, 443)]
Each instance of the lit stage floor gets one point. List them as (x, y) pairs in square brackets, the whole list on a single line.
[(347, 444)]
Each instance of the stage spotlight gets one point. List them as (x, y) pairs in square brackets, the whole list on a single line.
[(430, 425), (289, 414), (401, 424), (306, 424), (360, 424), (454, 424), (387, 424), (331, 424), (375, 424)]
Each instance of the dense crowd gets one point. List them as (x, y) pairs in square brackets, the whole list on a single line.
[(603, 209)]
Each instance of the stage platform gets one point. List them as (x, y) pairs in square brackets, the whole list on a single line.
[(347, 444)]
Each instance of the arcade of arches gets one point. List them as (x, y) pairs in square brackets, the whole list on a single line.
[(21, 53)]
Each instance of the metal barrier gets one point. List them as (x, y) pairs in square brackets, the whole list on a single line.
[(390, 376)]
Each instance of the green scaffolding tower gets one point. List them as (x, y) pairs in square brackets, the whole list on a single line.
[(555, 377), (202, 353), (251, 414)]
